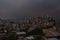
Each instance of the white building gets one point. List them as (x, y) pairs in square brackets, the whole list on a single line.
[(29, 37), (19, 33), (51, 39)]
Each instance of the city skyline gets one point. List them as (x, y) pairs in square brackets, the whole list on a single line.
[(24, 9)]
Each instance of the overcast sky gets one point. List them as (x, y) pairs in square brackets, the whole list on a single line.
[(29, 8)]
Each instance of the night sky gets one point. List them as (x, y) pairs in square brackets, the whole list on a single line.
[(24, 9)]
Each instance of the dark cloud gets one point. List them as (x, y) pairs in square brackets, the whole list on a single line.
[(29, 8)]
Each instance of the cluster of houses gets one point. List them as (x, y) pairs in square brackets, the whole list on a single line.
[(40, 23), (24, 29)]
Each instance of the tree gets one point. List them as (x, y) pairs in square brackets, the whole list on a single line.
[(37, 33), (11, 36)]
